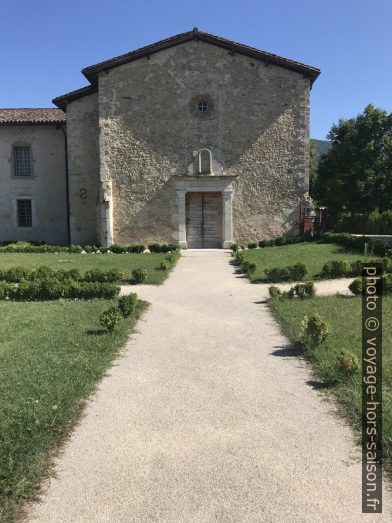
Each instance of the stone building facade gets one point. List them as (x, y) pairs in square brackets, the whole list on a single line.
[(194, 140)]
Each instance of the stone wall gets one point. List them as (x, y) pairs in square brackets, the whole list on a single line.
[(256, 127), (83, 167), (46, 188)]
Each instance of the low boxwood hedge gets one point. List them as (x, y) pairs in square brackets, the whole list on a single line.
[(53, 289), (356, 286), (341, 268), (18, 274), (31, 247), (296, 272), (354, 243)]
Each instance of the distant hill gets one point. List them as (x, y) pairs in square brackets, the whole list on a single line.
[(322, 147)]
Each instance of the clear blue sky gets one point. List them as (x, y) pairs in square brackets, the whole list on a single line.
[(45, 43)]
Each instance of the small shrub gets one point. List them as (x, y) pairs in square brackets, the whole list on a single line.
[(234, 247), (297, 271), (118, 249), (348, 362), (109, 318), (356, 286), (249, 267), (356, 268), (263, 243), (239, 256), (139, 275), (44, 272), (127, 304), (158, 247), (387, 284), (291, 273), (4, 289), (290, 294), (16, 274), (309, 289), (172, 258), (274, 292), (76, 249), (164, 265), (113, 275), (280, 240), (71, 274), (96, 275), (136, 248), (315, 329), (277, 274), (252, 245), (304, 290), (335, 269)]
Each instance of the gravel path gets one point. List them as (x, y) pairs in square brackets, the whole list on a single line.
[(208, 416)]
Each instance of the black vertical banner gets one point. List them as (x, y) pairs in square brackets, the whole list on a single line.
[(371, 388)]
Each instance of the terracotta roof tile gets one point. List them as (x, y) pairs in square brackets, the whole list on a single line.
[(31, 116)]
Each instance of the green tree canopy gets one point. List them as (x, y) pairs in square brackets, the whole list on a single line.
[(356, 174)]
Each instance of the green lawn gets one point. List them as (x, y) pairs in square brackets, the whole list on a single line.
[(313, 255), (344, 317), (47, 369), (83, 262)]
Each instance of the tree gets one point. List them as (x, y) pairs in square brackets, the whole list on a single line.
[(356, 174)]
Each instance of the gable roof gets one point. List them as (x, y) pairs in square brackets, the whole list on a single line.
[(31, 116), (61, 101), (91, 72)]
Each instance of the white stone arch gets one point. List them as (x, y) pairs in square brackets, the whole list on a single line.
[(204, 161)]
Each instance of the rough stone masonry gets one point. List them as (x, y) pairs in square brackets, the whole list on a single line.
[(193, 113)]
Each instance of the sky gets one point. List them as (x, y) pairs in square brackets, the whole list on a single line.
[(45, 43)]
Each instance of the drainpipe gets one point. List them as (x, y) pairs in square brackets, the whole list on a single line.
[(67, 186)]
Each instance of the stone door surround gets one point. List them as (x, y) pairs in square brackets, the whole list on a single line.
[(205, 183)]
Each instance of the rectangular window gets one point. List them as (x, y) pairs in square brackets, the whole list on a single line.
[(22, 160), (25, 216)]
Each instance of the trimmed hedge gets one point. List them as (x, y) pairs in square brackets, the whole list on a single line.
[(341, 268), (294, 272), (354, 243), (21, 247), (301, 291), (163, 248), (18, 274), (356, 286), (53, 289), (127, 304)]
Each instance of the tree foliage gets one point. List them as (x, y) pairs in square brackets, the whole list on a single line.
[(356, 174)]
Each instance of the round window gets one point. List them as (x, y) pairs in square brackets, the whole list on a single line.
[(202, 106)]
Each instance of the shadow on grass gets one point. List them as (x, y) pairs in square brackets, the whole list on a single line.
[(96, 332)]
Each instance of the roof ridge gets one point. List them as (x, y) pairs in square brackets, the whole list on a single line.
[(196, 34)]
